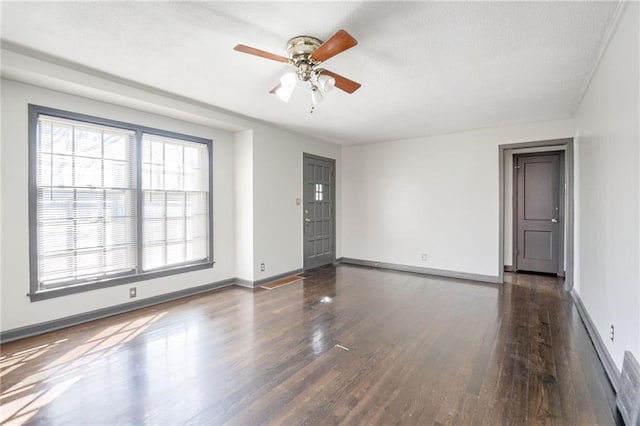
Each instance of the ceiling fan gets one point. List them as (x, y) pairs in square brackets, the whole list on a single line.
[(306, 53)]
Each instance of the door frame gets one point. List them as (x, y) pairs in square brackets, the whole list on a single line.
[(568, 145), (333, 202), (561, 213)]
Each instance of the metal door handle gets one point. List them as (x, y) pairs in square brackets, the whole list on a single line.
[(554, 220), (307, 220)]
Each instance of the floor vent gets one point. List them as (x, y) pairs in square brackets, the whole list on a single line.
[(628, 399)]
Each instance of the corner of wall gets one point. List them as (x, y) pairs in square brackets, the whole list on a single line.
[(243, 185)]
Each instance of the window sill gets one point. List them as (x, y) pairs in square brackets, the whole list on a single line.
[(80, 288)]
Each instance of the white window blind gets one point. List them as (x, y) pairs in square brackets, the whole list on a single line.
[(175, 183), (86, 201)]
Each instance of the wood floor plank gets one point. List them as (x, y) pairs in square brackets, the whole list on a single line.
[(348, 345)]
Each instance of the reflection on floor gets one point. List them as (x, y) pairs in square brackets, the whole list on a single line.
[(347, 345)]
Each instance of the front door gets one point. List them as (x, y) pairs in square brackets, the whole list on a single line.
[(319, 212), (539, 212)]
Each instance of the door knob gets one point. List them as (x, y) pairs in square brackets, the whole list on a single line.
[(554, 220), (307, 220)]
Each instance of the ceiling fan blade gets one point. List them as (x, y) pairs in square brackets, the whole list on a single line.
[(342, 83), (257, 52), (339, 42)]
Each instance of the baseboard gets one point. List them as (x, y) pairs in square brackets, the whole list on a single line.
[(57, 324), (605, 357), (253, 284), (425, 271), (508, 268)]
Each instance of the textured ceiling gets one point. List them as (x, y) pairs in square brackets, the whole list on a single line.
[(425, 68)]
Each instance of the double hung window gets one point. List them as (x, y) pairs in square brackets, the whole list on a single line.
[(112, 202)]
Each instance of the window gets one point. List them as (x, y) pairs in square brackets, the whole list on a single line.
[(112, 203), (318, 191)]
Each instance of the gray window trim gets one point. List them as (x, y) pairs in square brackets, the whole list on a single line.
[(35, 293)]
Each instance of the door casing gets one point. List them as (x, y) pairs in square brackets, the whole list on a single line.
[(567, 143)]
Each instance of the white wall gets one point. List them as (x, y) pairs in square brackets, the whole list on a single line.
[(257, 174), (608, 191), (17, 310), (437, 195), (277, 157), (243, 168)]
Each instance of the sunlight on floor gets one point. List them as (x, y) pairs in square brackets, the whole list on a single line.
[(20, 401)]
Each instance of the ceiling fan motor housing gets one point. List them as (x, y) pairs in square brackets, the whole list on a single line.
[(300, 49)]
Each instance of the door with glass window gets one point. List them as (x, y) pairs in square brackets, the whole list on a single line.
[(319, 211)]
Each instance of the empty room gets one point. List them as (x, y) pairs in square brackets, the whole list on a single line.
[(359, 213)]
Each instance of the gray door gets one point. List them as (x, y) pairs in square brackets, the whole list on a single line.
[(538, 212), (319, 212)]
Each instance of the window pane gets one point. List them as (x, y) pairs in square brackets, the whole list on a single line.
[(62, 141), (196, 227), (88, 172), (116, 146), (89, 204), (154, 231), (55, 204), (119, 231), (175, 229), (178, 170), (175, 253), (119, 203), (196, 203), (44, 137), (116, 174), (175, 204), (79, 218), (61, 170), (44, 170), (87, 142), (154, 204), (55, 237), (154, 256), (197, 249)]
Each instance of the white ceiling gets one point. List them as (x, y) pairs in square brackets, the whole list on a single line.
[(425, 68)]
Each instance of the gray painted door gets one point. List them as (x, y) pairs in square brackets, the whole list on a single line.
[(538, 212), (319, 211)]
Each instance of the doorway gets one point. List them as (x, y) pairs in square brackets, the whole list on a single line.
[(319, 230), (538, 216), (505, 194)]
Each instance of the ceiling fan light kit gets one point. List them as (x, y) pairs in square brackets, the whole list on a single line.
[(306, 53)]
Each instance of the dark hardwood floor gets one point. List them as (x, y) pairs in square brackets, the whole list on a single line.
[(348, 345)]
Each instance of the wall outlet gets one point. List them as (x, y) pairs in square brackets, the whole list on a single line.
[(262, 267), (132, 292), (424, 257), (612, 333)]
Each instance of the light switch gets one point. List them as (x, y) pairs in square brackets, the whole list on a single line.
[(297, 201)]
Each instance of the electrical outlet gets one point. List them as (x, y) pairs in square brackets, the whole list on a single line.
[(132, 292), (262, 267), (424, 257), (612, 333)]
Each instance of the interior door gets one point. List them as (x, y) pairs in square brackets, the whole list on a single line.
[(538, 212), (319, 211)]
